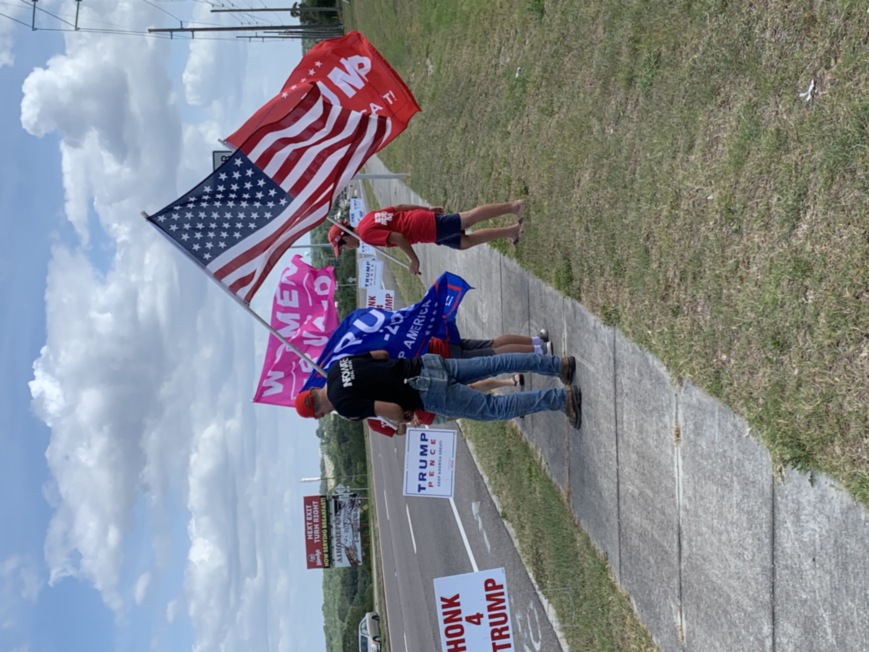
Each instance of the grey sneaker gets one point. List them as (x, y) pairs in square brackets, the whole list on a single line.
[(573, 409), (545, 344), (568, 369)]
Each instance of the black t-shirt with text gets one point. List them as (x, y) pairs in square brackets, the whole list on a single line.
[(354, 383)]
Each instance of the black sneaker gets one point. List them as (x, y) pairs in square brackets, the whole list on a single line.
[(568, 369), (573, 409)]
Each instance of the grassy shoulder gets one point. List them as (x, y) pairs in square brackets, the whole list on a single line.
[(575, 578), (676, 183)]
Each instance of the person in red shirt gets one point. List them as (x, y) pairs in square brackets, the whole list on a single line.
[(407, 224)]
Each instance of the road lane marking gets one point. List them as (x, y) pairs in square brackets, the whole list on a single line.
[(475, 510), (410, 525), (464, 536)]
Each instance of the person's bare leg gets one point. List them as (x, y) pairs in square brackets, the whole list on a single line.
[(490, 384), (511, 338), (488, 211), (512, 348), (512, 344), (487, 235)]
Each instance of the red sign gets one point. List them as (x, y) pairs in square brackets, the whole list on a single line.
[(317, 551)]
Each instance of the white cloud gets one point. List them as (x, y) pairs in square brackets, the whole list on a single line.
[(147, 371), (7, 28), (173, 609), (20, 582), (20, 575), (141, 588)]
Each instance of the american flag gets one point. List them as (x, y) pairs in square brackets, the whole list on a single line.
[(340, 105), (279, 185)]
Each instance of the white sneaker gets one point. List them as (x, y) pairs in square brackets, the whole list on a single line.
[(545, 344)]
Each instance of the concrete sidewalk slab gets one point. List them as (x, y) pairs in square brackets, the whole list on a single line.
[(648, 509), (548, 432), (513, 293), (726, 529), (821, 567), (594, 491)]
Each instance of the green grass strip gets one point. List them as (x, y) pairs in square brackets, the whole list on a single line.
[(574, 577)]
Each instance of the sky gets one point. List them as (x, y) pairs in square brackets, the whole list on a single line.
[(146, 503)]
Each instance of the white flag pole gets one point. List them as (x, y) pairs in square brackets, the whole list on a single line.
[(244, 304)]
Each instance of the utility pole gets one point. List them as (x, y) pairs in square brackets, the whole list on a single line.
[(282, 31)]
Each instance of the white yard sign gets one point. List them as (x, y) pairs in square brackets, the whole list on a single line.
[(430, 463), (474, 612), (365, 250), (357, 211), (370, 273), (381, 299)]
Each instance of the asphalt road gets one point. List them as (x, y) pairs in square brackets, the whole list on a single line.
[(421, 539)]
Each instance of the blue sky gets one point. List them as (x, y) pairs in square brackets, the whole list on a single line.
[(146, 503)]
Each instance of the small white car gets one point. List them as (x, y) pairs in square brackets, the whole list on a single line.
[(369, 633)]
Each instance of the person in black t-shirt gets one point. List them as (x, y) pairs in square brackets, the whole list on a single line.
[(358, 387)]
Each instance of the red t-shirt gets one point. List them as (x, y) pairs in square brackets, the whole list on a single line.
[(438, 347), (417, 225)]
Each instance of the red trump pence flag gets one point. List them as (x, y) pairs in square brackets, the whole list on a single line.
[(341, 104)]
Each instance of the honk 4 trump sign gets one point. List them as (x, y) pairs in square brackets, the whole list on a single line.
[(474, 612), (430, 463)]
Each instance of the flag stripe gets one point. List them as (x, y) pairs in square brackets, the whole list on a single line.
[(263, 240), (247, 270)]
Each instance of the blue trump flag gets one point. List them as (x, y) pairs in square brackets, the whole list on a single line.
[(402, 333)]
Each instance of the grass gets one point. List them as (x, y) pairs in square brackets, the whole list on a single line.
[(594, 614), (676, 183)]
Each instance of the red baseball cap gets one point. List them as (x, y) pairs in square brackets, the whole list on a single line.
[(336, 233), (305, 404)]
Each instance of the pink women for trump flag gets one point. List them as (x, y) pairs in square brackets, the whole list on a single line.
[(303, 311), (342, 104)]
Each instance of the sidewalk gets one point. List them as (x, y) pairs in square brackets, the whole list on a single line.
[(716, 550)]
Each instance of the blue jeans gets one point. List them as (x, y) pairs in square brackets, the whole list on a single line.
[(442, 385)]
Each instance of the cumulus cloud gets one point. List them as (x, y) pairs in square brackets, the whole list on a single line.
[(7, 28), (173, 609), (147, 370), (21, 581), (141, 588), (117, 115), (21, 576)]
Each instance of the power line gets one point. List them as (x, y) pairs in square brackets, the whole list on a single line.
[(96, 26)]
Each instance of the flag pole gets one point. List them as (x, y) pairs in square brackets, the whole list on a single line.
[(244, 304), (379, 250)]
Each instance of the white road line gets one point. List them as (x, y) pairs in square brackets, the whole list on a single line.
[(386, 504), (410, 525), (464, 536), (475, 510)]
